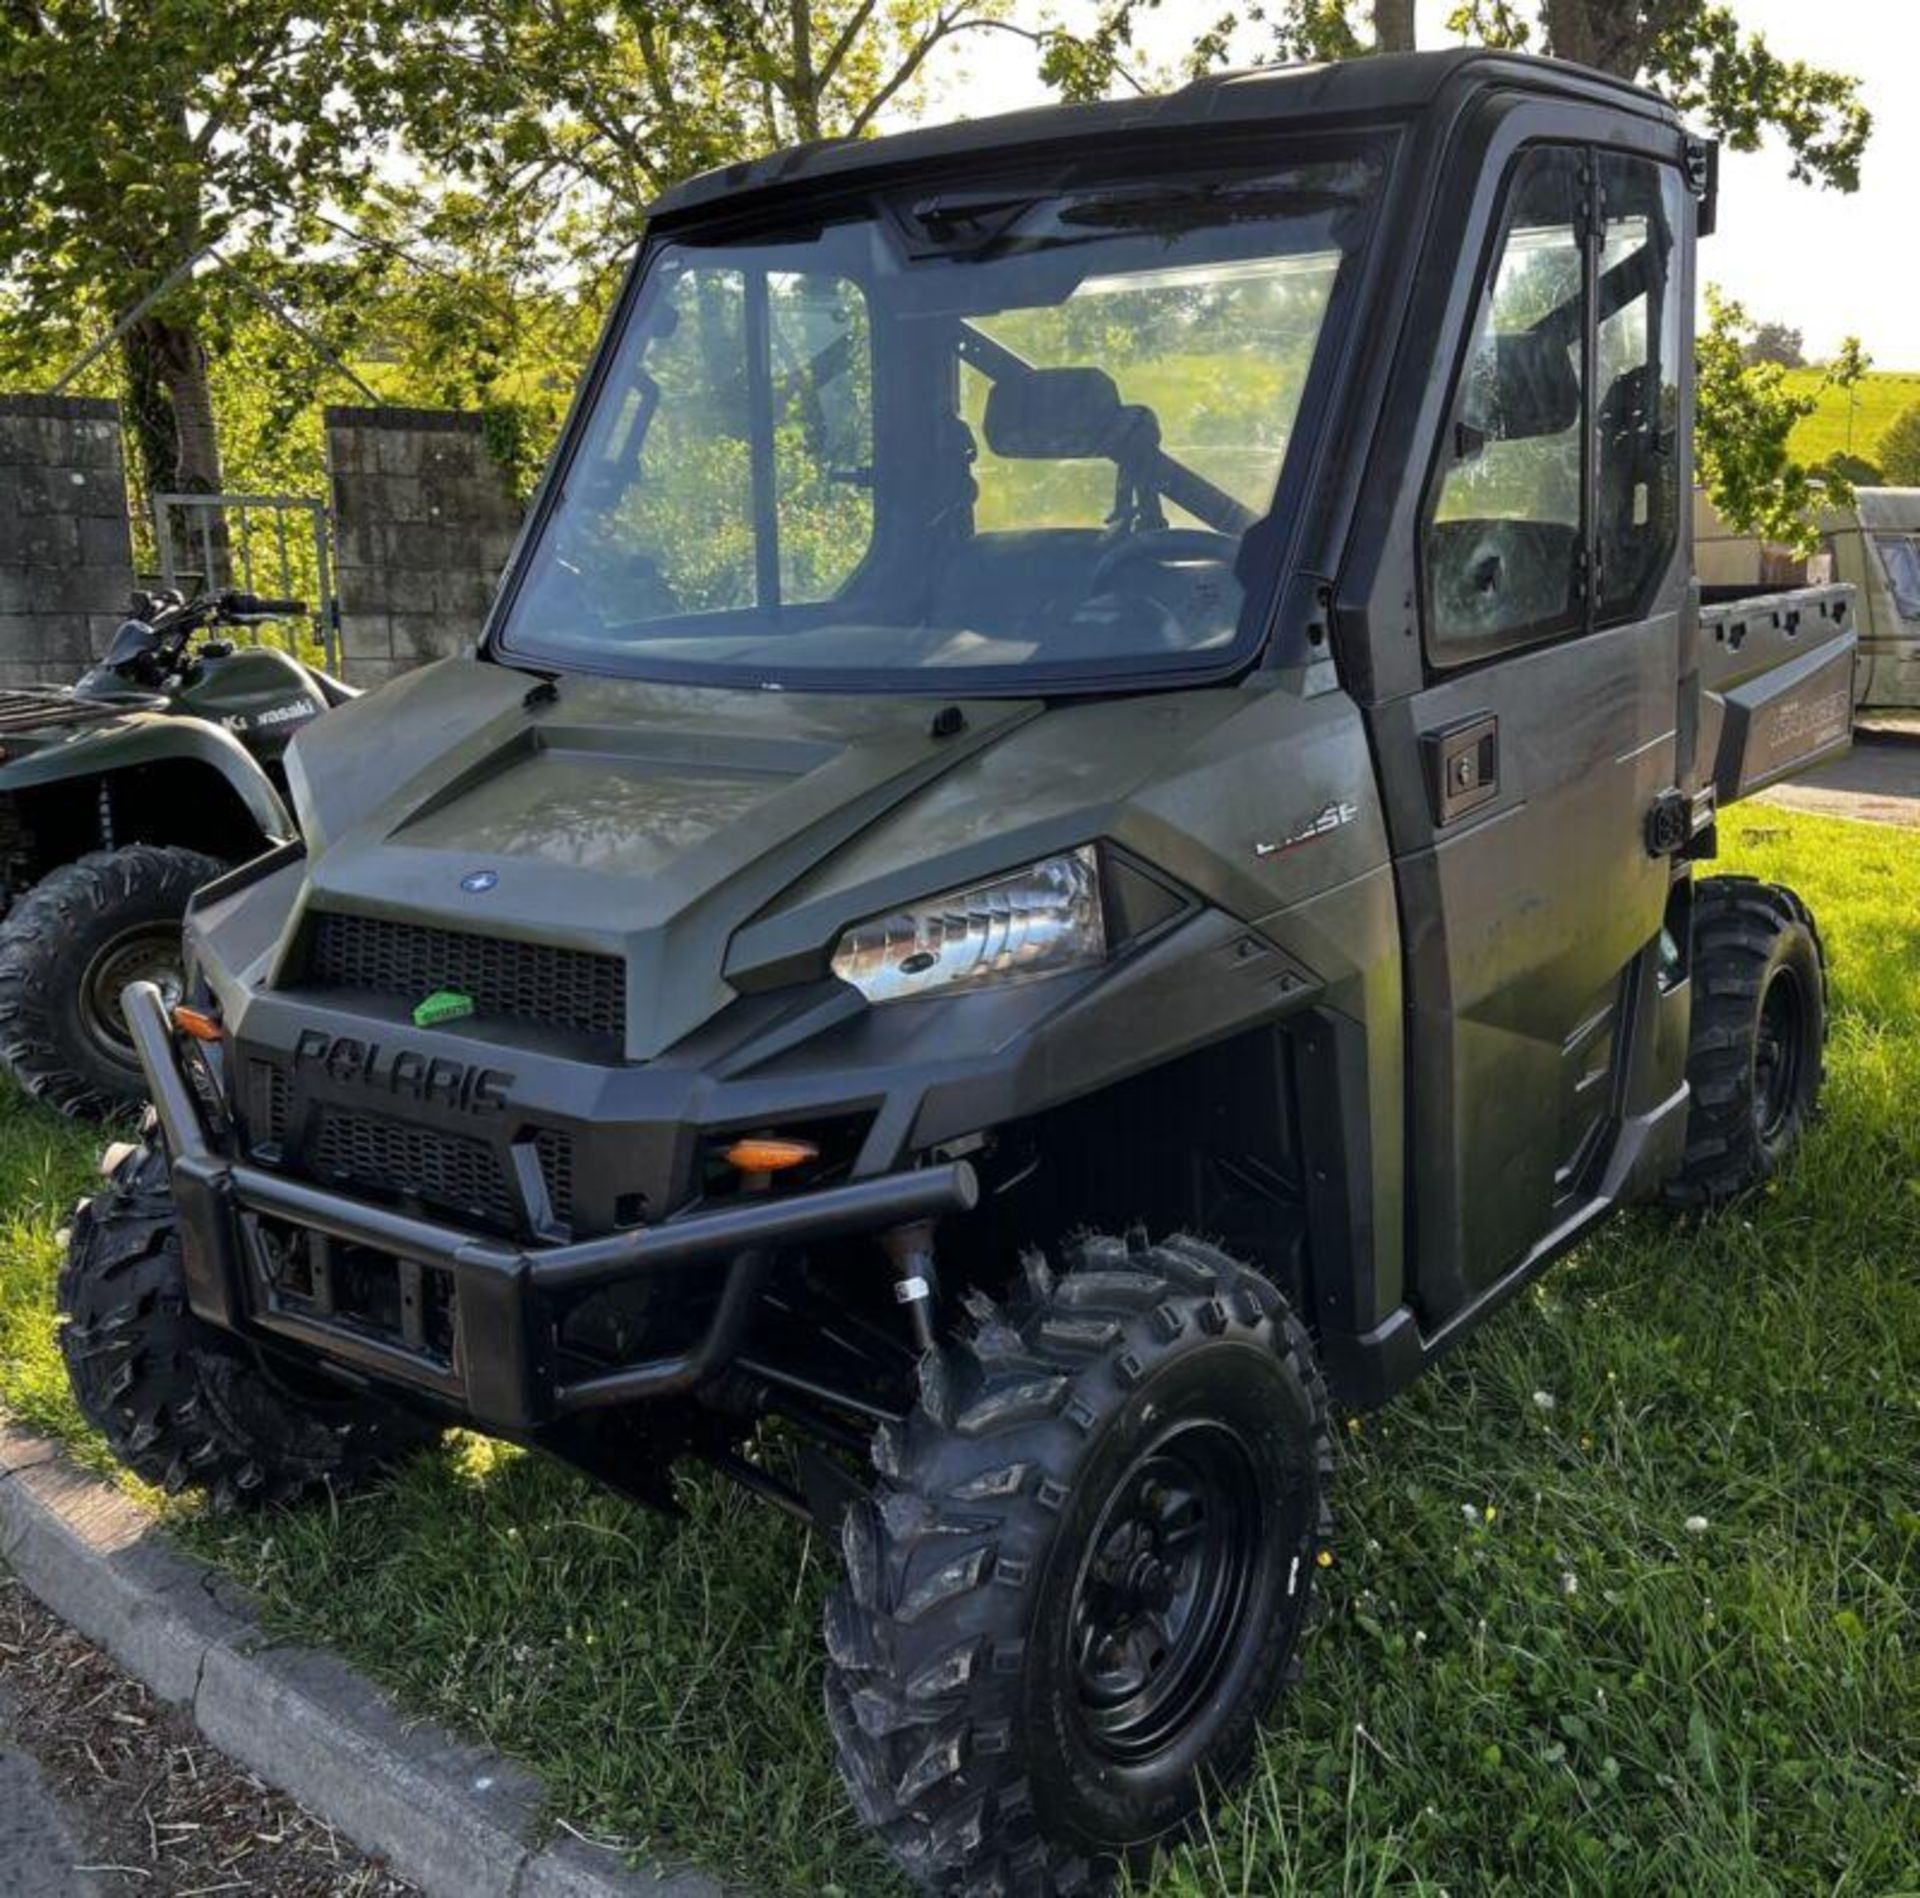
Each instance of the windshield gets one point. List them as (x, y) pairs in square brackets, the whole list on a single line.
[(962, 440)]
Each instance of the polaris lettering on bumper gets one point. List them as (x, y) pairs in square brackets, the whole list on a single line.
[(403, 1073)]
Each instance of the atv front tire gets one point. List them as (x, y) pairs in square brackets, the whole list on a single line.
[(1756, 1055), (181, 1403), (1082, 1575), (68, 948)]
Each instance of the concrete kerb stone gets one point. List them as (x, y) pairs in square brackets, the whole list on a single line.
[(450, 1818), (453, 1818)]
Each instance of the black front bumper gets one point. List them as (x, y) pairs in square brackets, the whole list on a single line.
[(490, 1355)]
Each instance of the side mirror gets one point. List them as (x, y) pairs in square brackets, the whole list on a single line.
[(131, 644)]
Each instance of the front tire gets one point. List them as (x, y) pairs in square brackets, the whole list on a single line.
[(68, 948), (181, 1403), (1756, 1053), (1083, 1572)]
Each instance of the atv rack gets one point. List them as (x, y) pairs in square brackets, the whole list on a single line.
[(22, 709)]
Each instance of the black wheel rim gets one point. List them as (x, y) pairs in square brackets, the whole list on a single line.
[(1159, 1604), (1779, 1054), (149, 952)]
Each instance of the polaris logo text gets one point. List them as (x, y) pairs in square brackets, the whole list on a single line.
[(429, 1081)]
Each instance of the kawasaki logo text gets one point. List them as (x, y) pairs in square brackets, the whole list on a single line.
[(407, 1076)]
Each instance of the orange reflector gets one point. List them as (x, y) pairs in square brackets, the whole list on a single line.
[(769, 1156), (197, 1023)]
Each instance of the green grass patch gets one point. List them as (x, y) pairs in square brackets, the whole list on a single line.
[(1624, 1597), (1880, 396)]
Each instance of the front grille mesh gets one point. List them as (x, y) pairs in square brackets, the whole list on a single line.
[(535, 982), (555, 1151)]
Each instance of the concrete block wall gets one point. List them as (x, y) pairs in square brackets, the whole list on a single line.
[(66, 557), (423, 522)]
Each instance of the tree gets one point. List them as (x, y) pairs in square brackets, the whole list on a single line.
[(1899, 450), (566, 117), (1775, 342), (138, 140), (1855, 470), (1693, 50), (545, 128), (1848, 371), (1744, 417)]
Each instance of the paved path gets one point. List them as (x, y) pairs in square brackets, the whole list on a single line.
[(37, 1851), (1879, 780)]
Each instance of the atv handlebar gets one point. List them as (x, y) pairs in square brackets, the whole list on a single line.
[(250, 606), (153, 645)]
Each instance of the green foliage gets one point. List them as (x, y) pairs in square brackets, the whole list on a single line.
[(1855, 470), (131, 135), (536, 133), (1696, 53), (1776, 342), (1899, 448), (1692, 50), (1744, 417), (567, 117), (134, 139)]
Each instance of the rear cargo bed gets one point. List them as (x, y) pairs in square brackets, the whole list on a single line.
[(1777, 682)]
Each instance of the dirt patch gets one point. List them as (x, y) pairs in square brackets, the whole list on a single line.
[(154, 1809)]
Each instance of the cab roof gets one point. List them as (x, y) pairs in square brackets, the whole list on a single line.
[(1357, 91)]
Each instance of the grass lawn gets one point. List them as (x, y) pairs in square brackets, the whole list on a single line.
[(1624, 1599), (1881, 396)]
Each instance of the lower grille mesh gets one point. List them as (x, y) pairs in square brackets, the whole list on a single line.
[(388, 1157), (391, 1158)]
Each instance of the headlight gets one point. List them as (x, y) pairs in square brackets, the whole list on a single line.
[(1038, 921)]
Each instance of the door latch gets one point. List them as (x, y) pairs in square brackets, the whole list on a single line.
[(1463, 766)]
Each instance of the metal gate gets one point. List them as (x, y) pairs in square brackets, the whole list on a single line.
[(262, 543)]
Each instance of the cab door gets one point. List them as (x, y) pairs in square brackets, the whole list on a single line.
[(1552, 612)]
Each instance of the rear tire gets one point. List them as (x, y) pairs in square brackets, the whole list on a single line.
[(181, 1403), (1082, 1574), (1756, 1056), (66, 951)]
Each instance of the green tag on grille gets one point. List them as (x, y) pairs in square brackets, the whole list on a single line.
[(442, 1005)]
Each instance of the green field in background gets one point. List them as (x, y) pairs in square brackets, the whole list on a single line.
[(1876, 401)]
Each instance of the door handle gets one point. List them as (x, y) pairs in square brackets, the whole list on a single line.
[(1463, 766)]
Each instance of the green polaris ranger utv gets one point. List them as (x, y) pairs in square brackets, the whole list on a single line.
[(119, 796), (1072, 841)]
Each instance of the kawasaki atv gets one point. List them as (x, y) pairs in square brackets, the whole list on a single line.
[(1073, 841), (119, 797)]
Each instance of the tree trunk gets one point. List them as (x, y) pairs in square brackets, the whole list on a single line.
[(1570, 31), (1613, 35), (1393, 26), (176, 439), (806, 89), (173, 399)]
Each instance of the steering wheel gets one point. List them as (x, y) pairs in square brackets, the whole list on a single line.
[(1162, 547)]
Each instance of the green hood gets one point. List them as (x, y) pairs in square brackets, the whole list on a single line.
[(716, 840)]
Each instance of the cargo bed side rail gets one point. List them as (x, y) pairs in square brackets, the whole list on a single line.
[(1777, 677)]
